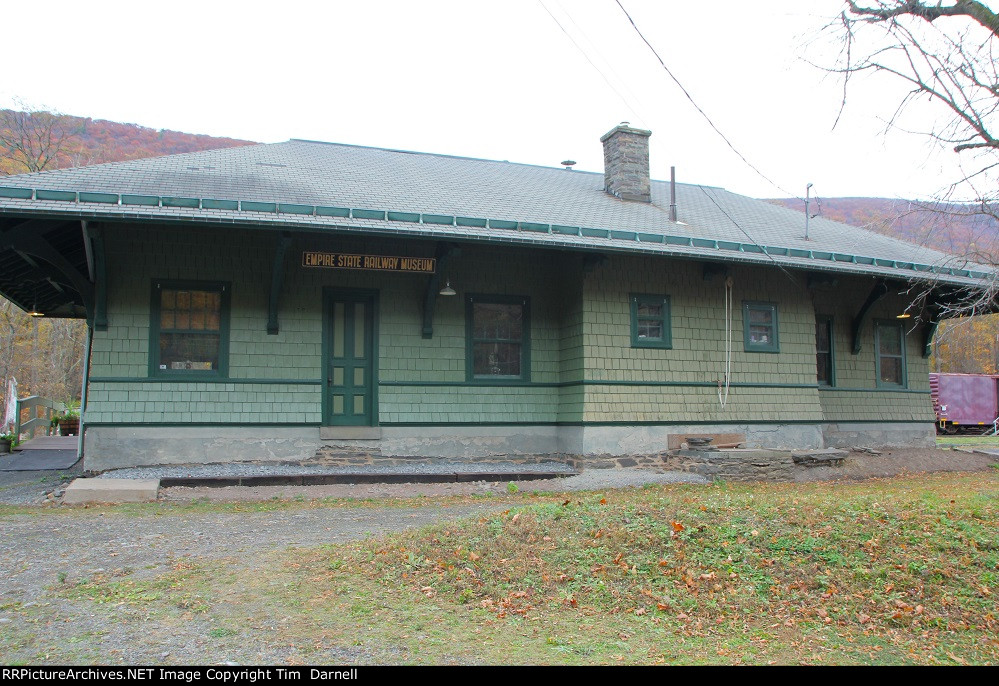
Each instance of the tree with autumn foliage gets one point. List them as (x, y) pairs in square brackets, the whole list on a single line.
[(45, 355)]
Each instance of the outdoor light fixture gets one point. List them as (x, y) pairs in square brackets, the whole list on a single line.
[(904, 315), (447, 290), (35, 313)]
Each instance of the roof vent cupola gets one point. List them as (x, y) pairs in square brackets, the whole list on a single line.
[(626, 163)]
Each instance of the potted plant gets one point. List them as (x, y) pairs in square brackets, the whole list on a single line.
[(69, 421), (7, 441)]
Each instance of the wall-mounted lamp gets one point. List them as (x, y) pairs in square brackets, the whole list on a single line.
[(904, 315), (447, 290)]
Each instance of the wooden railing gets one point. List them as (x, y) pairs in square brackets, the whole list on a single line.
[(39, 415)]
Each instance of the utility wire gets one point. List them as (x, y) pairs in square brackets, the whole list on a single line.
[(698, 107), (746, 234), (592, 64)]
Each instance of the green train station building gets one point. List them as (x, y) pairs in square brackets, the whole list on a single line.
[(293, 300)]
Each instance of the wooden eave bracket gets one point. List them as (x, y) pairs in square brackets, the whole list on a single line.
[(879, 291)]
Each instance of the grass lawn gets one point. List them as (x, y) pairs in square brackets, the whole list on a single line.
[(886, 571), (984, 441)]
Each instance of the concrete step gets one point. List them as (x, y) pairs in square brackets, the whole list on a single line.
[(354, 478), (111, 491)]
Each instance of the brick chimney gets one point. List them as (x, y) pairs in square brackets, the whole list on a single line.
[(626, 163)]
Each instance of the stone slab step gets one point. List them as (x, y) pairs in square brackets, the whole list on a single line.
[(817, 457), (111, 491), (352, 478)]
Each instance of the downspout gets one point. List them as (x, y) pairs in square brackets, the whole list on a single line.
[(83, 392)]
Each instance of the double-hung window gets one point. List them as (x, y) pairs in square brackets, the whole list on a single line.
[(189, 329), (498, 338), (889, 344), (650, 325), (759, 321)]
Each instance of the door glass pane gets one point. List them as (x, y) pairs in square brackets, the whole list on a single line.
[(359, 376), (339, 320), (358, 404), (359, 351), (337, 404), (338, 376)]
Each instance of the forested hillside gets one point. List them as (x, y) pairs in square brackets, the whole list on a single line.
[(951, 227), (46, 355)]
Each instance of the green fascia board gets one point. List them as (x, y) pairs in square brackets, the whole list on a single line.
[(796, 252), (143, 200), (593, 233), (650, 237), (502, 224), (678, 240), (567, 230), (840, 257), (537, 228), (367, 214), (295, 209), (323, 211), (212, 204), (729, 245), (441, 219), (471, 222), (181, 202), (771, 250), (253, 206), (703, 243), (819, 255), (46, 194), (106, 198), (11, 192), (411, 217), (624, 235), (749, 247)]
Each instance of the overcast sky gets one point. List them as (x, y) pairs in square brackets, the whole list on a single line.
[(497, 80)]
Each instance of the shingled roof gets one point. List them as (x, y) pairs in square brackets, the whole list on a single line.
[(346, 188)]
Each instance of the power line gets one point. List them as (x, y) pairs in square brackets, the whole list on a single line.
[(698, 108), (592, 64), (746, 234)]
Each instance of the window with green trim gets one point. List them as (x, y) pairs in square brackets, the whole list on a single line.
[(825, 366), (759, 321), (650, 327), (889, 347), (498, 338), (189, 329)]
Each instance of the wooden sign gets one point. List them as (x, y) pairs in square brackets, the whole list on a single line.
[(381, 263)]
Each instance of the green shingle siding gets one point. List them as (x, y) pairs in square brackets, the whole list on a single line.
[(580, 330)]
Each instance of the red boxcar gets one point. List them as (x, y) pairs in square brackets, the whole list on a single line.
[(965, 402)]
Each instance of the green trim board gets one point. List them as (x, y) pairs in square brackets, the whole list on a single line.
[(755, 335), (650, 321), (213, 380), (527, 384), (727, 422), (156, 369), (479, 333)]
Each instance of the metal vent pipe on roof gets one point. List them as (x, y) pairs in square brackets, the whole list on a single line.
[(672, 194)]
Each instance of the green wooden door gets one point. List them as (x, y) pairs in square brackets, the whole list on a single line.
[(349, 360)]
